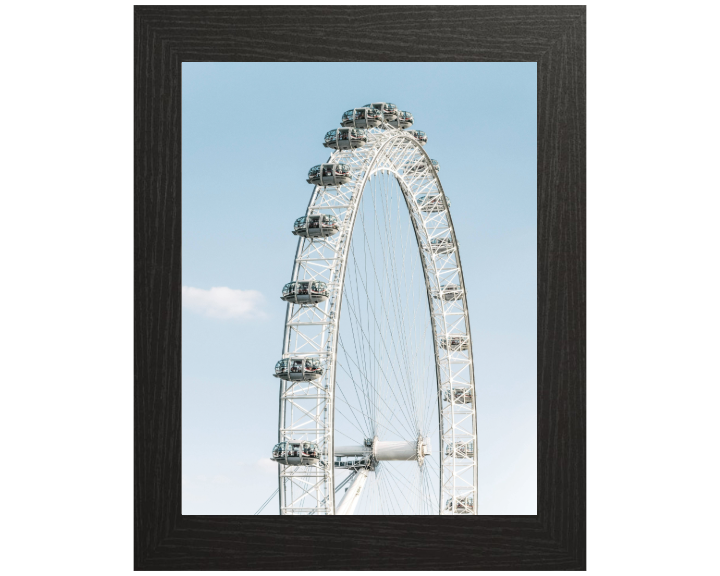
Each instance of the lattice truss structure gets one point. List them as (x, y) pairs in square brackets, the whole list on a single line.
[(311, 331)]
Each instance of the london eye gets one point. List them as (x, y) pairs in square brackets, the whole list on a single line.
[(377, 392)]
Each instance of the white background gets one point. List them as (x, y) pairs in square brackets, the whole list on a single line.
[(66, 225)]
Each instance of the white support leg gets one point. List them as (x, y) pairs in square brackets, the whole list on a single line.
[(352, 496)]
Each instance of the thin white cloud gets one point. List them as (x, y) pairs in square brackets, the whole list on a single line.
[(223, 302)]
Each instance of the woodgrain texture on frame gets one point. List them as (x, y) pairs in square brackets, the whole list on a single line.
[(552, 36)]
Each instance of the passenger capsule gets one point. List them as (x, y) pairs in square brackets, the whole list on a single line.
[(329, 174), (389, 110), (296, 453), (345, 138), (419, 135), (448, 292), (316, 226), (459, 395), (455, 342), (422, 166), (460, 449), (298, 369), (305, 292), (432, 202), (403, 120), (463, 505), (440, 246), (362, 118)]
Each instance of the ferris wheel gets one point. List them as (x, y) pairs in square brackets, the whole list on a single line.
[(377, 409)]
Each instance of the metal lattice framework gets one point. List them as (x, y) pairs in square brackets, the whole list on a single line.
[(307, 408)]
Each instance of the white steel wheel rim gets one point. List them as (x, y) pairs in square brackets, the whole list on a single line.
[(307, 408)]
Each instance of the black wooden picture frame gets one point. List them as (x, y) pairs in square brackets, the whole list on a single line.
[(552, 36)]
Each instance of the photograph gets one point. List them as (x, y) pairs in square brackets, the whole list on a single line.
[(344, 227)]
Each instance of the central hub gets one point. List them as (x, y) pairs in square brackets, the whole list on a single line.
[(401, 449), (375, 450)]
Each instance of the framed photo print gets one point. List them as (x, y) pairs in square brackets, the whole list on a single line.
[(327, 200)]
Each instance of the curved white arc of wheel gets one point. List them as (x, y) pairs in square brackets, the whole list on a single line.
[(329, 500), (373, 158), (461, 283), (424, 232)]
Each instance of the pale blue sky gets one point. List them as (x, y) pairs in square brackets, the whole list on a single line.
[(251, 131)]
